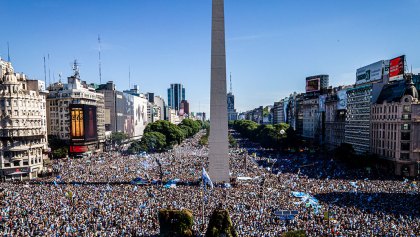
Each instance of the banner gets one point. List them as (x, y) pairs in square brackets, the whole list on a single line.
[(396, 68), (313, 85), (370, 73), (342, 99), (322, 99)]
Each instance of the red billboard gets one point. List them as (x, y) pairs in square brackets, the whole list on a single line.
[(313, 84), (396, 68), (78, 149)]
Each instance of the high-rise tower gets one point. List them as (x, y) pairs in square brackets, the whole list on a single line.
[(218, 140)]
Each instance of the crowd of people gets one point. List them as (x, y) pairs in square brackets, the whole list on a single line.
[(93, 196)]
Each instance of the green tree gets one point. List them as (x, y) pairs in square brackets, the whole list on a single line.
[(118, 137), (220, 224), (60, 152), (174, 134), (193, 124), (153, 141), (175, 223)]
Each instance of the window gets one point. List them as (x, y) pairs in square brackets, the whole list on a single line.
[(407, 108), (405, 136), (404, 156), (406, 117), (6, 164), (405, 126), (25, 163), (405, 146), (16, 163)]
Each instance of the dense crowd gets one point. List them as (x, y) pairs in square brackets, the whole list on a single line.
[(103, 204)]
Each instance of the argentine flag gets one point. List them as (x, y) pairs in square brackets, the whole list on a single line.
[(206, 178)]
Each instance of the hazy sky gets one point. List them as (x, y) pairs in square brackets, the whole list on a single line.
[(272, 45)]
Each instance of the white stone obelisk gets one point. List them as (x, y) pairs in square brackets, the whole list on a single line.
[(218, 140)]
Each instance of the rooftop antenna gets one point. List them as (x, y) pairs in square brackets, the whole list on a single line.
[(230, 79), (8, 52), (100, 71), (49, 70), (45, 72), (129, 77), (59, 77)]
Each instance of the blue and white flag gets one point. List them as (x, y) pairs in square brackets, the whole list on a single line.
[(206, 178)]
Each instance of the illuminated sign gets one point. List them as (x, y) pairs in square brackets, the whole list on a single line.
[(77, 128), (313, 85), (396, 68)]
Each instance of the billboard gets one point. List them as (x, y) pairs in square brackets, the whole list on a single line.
[(78, 149), (396, 68), (322, 99), (370, 73), (342, 99), (313, 84), (83, 124)]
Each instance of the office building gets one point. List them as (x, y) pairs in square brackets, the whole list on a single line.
[(176, 93), (335, 117)]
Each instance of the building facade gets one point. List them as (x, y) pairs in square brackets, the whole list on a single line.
[(61, 118), (176, 93), (232, 114), (335, 117), (395, 123), (278, 112), (23, 126)]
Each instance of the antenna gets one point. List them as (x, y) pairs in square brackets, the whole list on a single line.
[(49, 71), (129, 77), (45, 72), (8, 52), (230, 79), (100, 71), (59, 77)]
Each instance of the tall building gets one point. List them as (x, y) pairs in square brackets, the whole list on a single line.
[(359, 101), (218, 139), (23, 127), (156, 108), (232, 114), (278, 112), (335, 117), (395, 122), (176, 93), (75, 112)]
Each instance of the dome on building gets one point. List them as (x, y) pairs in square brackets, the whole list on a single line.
[(411, 89), (9, 77)]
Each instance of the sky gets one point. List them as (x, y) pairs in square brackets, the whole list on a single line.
[(271, 45)]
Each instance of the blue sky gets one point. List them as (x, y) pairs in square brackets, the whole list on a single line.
[(272, 45)]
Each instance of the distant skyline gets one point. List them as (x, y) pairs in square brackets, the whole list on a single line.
[(271, 45)]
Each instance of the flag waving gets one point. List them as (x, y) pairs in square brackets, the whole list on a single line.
[(206, 178)]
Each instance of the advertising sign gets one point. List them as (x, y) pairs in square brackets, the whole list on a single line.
[(83, 125), (396, 68), (342, 99), (313, 84), (285, 105), (370, 73), (76, 124), (78, 149), (322, 99)]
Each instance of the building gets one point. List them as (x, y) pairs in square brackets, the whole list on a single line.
[(395, 123), (23, 134), (335, 117), (278, 112), (311, 117), (294, 113), (176, 93), (76, 113), (232, 114), (369, 81), (125, 111), (156, 108), (184, 108)]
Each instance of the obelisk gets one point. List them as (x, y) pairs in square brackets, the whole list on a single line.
[(218, 140)]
